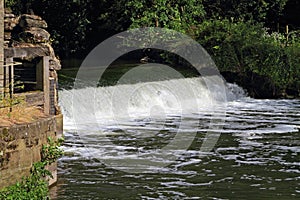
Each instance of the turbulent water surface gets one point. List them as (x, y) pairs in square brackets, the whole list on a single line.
[(119, 148)]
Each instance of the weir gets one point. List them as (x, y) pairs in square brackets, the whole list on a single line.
[(146, 110), (130, 101)]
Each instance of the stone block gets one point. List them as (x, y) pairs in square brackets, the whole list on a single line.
[(36, 153), (2, 147), (13, 145), (34, 99), (13, 159), (7, 35), (9, 24), (28, 21), (54, 64), (53, 169), (9, 15), (34, 35), (21, 146), (27, 52), (26, 160), (7, 135), (16, 145), (59, 125)]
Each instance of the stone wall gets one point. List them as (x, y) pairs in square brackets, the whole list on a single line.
[(31, 60), (20, 147), (27, 43), (29, 31), (35, 98)]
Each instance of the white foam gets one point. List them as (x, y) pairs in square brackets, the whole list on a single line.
[(106, 105)]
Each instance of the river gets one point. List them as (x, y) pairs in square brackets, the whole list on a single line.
[(255, 155)]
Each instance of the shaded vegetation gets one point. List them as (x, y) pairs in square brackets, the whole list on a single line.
[(248, 51)]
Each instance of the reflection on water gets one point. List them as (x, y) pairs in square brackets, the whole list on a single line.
[(256, 157)]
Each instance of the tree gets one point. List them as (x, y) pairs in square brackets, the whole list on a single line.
[(179, 15), (77, 26), (265, 11)]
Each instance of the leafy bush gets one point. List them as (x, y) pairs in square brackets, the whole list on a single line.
[(51, 151), (245, 48), (179, 15), (34, 187)]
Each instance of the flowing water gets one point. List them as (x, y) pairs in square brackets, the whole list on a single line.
[(117, 143)]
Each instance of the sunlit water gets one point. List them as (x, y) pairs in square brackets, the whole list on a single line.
[(257, 155)]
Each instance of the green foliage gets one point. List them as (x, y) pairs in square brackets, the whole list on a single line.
[(179, 15), (266, 11), (245, 48), (51, 151), (34, 186), (31, 187), (77, 26), (9, 102), (226, 41), (293, 61), (67, 21)]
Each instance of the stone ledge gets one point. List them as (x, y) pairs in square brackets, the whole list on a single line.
[(21, 146), (26, 51)]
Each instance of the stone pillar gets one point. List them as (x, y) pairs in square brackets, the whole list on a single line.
[(1, 47), (52, 96), (9, 77), (5, 77), (42, 81)]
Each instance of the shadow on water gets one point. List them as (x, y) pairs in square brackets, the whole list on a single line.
[(116, 70)]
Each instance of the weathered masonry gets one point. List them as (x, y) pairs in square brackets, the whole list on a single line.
[(20, 147), (29, 61)]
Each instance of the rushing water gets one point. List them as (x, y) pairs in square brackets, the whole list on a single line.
[(256, 156)]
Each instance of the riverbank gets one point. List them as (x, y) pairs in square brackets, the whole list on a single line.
[(260, 87)]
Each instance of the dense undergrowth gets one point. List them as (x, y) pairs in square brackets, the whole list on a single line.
[(249, 51)]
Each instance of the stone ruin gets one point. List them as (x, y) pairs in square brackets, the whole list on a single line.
[(28, 31), (27, 44), (30, 60)]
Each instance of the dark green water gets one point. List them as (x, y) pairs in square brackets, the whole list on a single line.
[(231, 172), (257, 155)]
